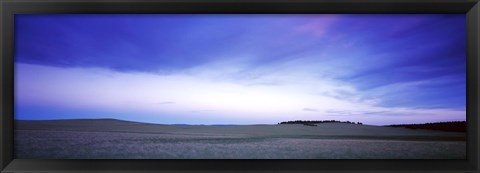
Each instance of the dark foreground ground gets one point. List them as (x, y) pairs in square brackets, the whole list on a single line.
[(115, 139)]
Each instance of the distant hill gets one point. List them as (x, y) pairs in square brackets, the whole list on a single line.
[(453, 126)]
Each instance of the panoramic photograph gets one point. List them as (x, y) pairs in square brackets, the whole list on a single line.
[(240, 86)]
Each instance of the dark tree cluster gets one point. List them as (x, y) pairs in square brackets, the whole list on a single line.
[(314, 122), (452, 126)]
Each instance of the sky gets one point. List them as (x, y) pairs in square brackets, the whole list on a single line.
[(378, 69)]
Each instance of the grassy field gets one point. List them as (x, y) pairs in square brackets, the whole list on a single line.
[(115, 139)]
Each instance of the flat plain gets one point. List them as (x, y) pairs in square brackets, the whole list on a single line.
[(116, 139)]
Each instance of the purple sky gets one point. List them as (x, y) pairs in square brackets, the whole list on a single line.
[(241, 69)]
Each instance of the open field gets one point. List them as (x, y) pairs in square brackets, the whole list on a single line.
[(115, 139)]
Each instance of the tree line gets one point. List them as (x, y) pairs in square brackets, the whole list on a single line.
[(452, 126), (314, 122)]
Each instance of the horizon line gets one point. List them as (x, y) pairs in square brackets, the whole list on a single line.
[(224, 123)]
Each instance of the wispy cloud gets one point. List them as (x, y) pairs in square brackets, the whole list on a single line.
[(202, 110), (165, 103), (319, 26), (310, 110)]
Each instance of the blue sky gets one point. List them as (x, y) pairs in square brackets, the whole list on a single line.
[(241, 69)]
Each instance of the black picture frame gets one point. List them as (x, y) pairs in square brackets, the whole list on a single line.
[(9, 8)]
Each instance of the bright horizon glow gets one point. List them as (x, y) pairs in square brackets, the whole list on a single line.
[(241, 69)]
